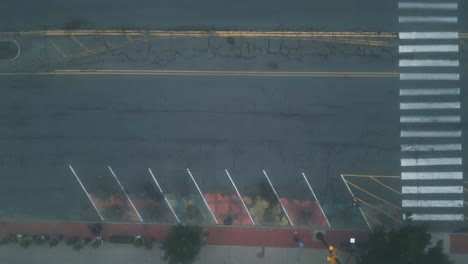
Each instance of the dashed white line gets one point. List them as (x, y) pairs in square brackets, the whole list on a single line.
[(432, 175), (429, 91), (424, 133), (123, 190), (434, 147), (419, 5), (427, 48), (432, 203), (431, 189), (428, 35), (165, 198), (428, 63), (428, 19), (429, 76), (430, 162), (435, 105), (437, 217), (430, 119)]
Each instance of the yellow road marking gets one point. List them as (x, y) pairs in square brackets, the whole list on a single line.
[(386, 186), (373, 195), (79, 43), (377, 209), (465, 203), (463, 43), (368, 176), (466, 218), (466, 190), (213, 73), (129, 38), (372, 218), (277, 34), (58, 49)]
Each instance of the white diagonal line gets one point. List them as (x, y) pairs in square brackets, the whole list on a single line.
[(277, 197), (240, 197), (128, 197), (313, 193), (165, 198), (86, 192), (203, 197)]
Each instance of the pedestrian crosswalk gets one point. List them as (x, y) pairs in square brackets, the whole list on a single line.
[(430, 111)]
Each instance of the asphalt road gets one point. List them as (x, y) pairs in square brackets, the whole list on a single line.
[(323, 127), (366, 15)]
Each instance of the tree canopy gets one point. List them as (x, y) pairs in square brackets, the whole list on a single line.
[(409, 244), (182, 244)]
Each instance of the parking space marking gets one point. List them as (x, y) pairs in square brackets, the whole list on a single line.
[(316, 199), (87, 194), (79, 43), (128, 197), (355, 200), (277, 197), (203, 197), (240, 197), (162, 193)]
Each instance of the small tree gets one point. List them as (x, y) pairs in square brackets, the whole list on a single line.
[(410, 244), (182, 244)]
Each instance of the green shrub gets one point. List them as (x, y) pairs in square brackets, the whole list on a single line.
[(138, 241), (53, 242), (148, 244), (25, 241), (183, 244), (40, 239)]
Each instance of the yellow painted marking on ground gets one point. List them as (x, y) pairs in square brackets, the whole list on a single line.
[(128, 37), (368, 176), (384, 185), (466, 203), (352, 41), (463, 43), (213, 73), (372, 218), (277, 34), (466, 190), (58, 49), (466, 218), (373, 195), (377, 209), (79, 43)]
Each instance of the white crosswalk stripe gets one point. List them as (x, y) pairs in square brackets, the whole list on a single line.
[(431, 113)]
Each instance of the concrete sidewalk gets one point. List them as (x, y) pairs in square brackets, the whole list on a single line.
[(127, 254)]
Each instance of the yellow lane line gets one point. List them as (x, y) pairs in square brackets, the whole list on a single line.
[(384, 185), (280, 34), (58, 49), (377, 209), (353, 41), (373, 195), (212, 73), (368, 176), (372, 218), (79, 43)]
